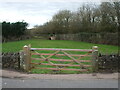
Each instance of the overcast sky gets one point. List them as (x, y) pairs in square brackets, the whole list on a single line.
[(36, 12)]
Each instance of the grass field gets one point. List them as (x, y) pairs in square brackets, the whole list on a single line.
[(36, 43)]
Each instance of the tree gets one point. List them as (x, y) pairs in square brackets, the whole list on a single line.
[(88, 18), (61, 21), (13, 29), (108, 17), (117, 9)]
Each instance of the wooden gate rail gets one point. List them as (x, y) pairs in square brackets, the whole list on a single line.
[(81, 70), (78, 61), (59, 64), (63, 60), (60, 54), (56, 49)]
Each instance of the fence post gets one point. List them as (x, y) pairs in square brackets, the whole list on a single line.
[(94, 60), (29, 56), (26, 50)]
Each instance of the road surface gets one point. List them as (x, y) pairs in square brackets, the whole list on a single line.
[(48, 83)]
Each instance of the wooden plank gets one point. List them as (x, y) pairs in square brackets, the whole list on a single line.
[(29, 56), (63, 60), (71, 57), (61, 54), (52, 54), (44, 59), (47, 57), (54, 49), (60, 64), (83, 56), (81, 70)]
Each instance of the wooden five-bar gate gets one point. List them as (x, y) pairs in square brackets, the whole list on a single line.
[(82, 62)]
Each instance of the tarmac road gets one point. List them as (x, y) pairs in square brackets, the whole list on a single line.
[(58, 83)]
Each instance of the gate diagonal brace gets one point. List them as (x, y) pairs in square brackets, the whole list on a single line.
[(44, 59), (52, 54), (58, 67), (83, 56), (47, 59), (81, 65), (71, 57)]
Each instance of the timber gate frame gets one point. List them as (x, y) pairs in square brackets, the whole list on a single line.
[(27, 50)]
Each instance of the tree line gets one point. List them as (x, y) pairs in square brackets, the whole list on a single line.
[(15, 29), (88, 18)]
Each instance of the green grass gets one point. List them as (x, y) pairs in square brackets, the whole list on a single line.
[(36, 43)]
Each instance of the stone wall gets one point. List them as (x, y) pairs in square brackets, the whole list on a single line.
[(106, 63), (11, 60)]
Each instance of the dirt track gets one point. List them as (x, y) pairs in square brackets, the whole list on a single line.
[(14, 74)]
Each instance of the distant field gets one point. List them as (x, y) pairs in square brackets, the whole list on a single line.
[(36, 43)]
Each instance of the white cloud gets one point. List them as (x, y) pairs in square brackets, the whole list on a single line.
[(50, 0), (35, 13), (14, 16), (45, 1)]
